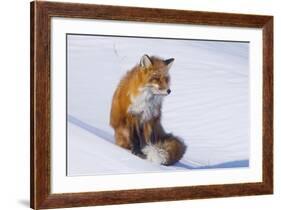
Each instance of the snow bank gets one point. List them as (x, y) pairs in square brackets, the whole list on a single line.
[(208, 107)]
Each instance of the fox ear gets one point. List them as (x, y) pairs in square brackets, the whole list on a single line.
[(145, 61), (169, 62)]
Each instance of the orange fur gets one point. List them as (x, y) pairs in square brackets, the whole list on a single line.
[(126, 124)]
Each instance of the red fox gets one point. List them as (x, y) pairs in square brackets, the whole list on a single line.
[(136, 112)]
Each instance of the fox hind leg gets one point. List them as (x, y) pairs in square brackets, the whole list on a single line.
[(131, 141), (122, 137)]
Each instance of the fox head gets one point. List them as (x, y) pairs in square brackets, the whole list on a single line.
[(155, 73)]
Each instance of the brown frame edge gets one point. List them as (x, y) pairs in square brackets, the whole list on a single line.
[(40, 191)]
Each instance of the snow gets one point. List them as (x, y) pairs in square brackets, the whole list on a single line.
[(208, 106)]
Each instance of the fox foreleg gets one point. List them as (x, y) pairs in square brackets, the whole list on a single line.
[(138, 141)]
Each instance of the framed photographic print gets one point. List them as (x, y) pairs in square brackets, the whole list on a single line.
[(139, 105)]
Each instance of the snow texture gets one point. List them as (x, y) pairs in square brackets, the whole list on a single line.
[(208, 107)]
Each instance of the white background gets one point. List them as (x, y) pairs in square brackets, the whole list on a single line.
[(14, 112)]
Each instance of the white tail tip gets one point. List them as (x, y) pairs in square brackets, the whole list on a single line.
[(155, 154)]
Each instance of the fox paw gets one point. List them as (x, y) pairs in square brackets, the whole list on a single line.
[(138, 153)]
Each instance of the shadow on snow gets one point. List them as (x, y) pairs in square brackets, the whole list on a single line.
[(230, 164), (98, 132)]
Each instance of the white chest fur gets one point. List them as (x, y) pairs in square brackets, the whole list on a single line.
[(146, 105)]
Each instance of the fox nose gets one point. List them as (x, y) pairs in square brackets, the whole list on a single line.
[(169, 91)]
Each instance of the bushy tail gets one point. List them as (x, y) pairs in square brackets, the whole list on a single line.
[(166, 152)]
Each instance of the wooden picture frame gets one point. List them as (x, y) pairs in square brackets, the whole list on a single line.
[(40, 180)]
